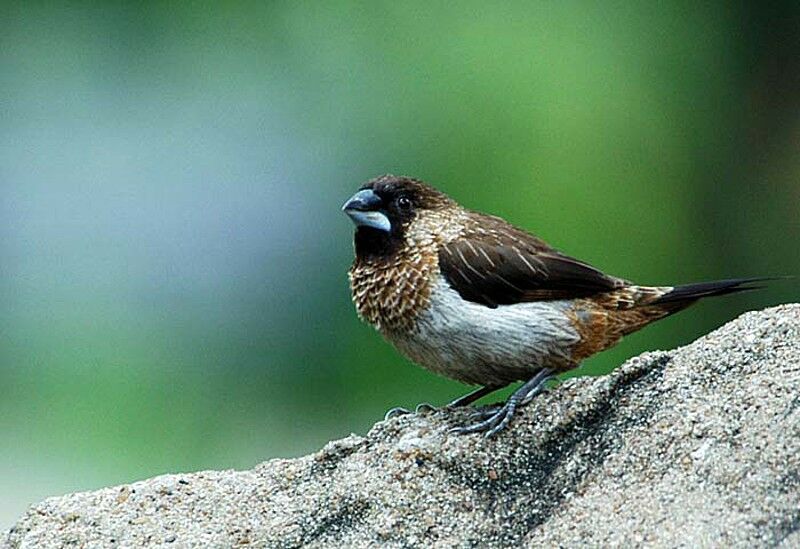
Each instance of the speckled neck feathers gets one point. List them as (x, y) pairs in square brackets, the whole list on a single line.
[(391, 291), (390, 295)]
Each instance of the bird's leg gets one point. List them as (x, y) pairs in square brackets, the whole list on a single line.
[(483, 412), (500, 418), (461, 401), (472, 396), (536, 391), (489, 410)]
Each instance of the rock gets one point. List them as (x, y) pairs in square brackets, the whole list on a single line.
[(699, 446)]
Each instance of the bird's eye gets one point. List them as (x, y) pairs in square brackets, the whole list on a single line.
[(404, 203)]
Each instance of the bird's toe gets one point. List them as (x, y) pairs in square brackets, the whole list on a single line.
[(496, 422), (396, 412), (425, 408)]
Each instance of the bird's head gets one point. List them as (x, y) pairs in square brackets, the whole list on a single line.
[(385, 210)]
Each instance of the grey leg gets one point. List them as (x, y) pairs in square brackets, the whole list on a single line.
[(469, 398), (491, 409), (535, 392), (483, 412), (500, 419)]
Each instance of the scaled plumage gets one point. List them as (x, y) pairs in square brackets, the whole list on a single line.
[(472, 297)]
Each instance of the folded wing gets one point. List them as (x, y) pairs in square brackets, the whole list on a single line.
[(504, 267)]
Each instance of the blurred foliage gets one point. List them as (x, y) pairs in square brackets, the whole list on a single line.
[(173, 258)]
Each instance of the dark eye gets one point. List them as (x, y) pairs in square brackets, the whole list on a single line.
[(404, 203)]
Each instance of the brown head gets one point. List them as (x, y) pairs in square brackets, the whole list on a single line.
[(389, 209)]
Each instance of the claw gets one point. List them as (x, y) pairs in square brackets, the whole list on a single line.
[(425, 408), (396, 412)]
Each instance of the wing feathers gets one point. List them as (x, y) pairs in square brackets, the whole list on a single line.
[(507, 266)]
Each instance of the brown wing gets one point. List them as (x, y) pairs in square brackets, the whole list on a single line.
[(501, 265)]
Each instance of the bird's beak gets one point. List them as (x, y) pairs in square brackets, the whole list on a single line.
[(364, 208)]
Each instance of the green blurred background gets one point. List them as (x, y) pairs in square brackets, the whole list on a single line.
[(173, 260)]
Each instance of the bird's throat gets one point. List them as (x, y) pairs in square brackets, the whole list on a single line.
[(375, 244)]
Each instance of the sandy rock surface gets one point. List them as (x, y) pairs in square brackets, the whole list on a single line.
[(699, 446)]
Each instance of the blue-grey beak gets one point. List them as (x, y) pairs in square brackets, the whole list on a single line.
[(364, 208)]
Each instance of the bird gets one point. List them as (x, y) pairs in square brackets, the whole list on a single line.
[(471, 297)]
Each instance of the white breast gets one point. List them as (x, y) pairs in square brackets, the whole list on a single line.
[(476, 344)]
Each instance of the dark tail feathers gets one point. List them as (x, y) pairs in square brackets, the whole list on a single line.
[(692, 292)]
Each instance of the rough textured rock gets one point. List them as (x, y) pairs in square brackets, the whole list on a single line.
[(698, 446)]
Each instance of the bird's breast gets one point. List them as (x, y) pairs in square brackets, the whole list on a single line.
[(392, 295)]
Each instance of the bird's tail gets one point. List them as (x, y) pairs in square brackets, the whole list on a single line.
[(655, 302), (690, 293)]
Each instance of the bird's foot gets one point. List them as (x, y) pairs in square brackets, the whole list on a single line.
[(396, 412), (494, 418), (422, 408), (497, 420), (425, 408), (484, 412)]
